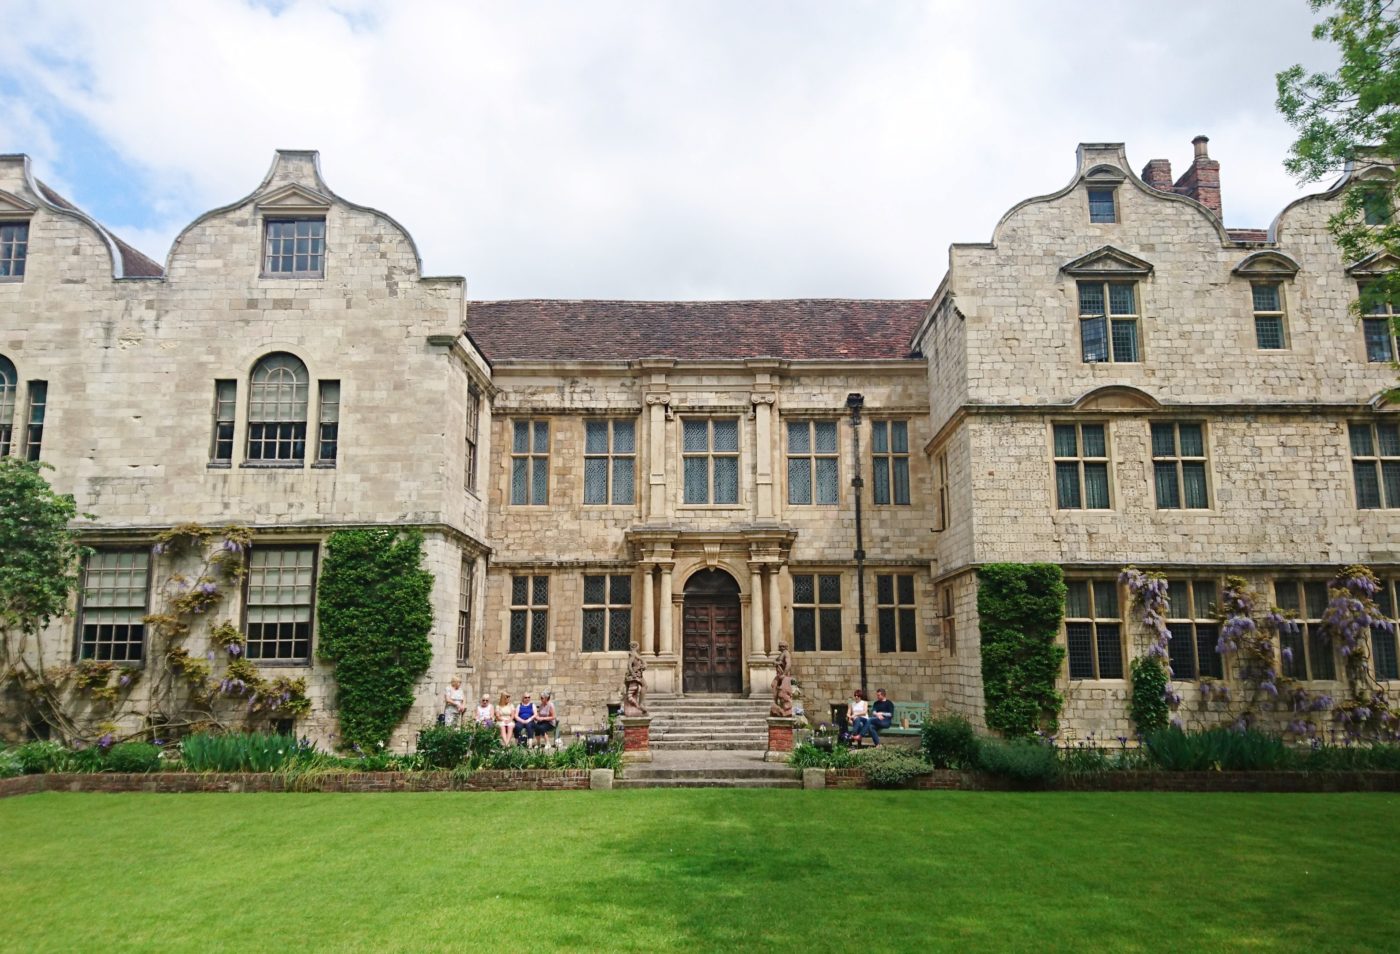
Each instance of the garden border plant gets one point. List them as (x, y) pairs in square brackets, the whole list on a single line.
[(1020, 607)]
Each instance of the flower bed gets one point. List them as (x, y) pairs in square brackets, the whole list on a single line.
[(1145, 781)]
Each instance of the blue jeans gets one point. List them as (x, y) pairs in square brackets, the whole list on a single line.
[(862, 726), (876, 724)]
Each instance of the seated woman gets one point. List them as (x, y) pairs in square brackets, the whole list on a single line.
[(858, 712), (525, 720), (484, 712), (505, 719), (545, 719)]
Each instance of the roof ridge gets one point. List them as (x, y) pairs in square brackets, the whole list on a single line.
[(685, 301)]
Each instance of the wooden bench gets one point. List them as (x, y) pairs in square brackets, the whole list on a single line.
[(911, 714)]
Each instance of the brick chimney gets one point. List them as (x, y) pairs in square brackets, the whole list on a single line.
[(1158, 174), (1202, 181)]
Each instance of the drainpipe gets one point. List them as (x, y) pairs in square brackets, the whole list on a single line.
[(854, 402)]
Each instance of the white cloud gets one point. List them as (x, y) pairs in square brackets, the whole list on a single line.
[(611, 149)]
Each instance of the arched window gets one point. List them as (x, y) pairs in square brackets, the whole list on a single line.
[(277, 402), (9, 381)]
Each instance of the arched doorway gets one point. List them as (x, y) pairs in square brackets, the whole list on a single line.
[(712, 634)]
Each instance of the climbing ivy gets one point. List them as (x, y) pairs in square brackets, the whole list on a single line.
[(1020, 606), (375, 613)]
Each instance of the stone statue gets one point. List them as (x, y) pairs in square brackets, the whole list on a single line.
[(782, 684), (634, 686)]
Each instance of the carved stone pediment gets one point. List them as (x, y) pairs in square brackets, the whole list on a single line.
[(1377, 263), (1108, 262), (1117, 397), (13, 207), (1104, 174), (1266, 264), (294, 200)]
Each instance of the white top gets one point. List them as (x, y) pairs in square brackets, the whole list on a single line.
[(859, 707), (455, 697), (484, 713)]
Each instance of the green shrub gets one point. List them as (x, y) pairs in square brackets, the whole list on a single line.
[(949, 742), (1221, 749), (1351, 758), (887, 767), (1147, 706), (806, 756), (1019, 607), (1083, 760), (1024, 761), (35, 758), (9, 764), (241, 752), (445, 746), (132, 757)]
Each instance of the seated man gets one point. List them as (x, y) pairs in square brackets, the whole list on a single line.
[(524, 721), (881, 715)]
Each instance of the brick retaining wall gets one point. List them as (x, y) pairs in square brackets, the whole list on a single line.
[(486, 780)]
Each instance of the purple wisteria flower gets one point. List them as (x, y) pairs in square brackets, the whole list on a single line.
[(207, 588)]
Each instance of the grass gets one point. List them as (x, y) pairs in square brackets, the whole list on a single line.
[(700, 870)]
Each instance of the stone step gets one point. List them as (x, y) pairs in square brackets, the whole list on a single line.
[(707, 783), (780, 772), (709, 745)]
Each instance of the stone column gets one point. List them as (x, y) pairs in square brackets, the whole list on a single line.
[(758, 645), (656, 433), (763, 458), (648, 611), (667, 612), (775, 608)]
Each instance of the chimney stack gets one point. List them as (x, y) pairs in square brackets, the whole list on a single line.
[(1158, 174), (1202, 181)]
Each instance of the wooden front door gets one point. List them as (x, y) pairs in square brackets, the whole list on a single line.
[(712, 635)]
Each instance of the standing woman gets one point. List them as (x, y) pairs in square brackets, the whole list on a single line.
[(505, 719), (454, 703)]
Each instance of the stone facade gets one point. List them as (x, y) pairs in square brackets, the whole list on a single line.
[(548, 449)]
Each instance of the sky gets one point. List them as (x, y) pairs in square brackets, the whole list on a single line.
[(650, 149)]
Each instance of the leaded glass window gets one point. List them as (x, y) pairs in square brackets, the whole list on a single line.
[(34, 427), (1269, 330), (889, 451), (473, 435), (529, 463), (1108, 321), (1081, 466), (811, 462), (609, 461), (1179, 466), (710, 455), (894, 612), (1101, 206), (607, 613), (9, 385), (14, 249), (1093, 629), (112, 625), (1384, 655), (328, 434), (277, 399), (279, 603), (1194, 648), (529, 614), (464, 610), (816, 612), (225, 403), (1378, 325), (1375, 464), (1309, 653)]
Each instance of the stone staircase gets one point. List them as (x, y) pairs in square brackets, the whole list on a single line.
[(733, 723), (708, 770)]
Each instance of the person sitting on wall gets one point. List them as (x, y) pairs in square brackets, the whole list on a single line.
[(545, 719), (505, 720), (858, 714), (454, 703), (484, 712), (881, 715), (525, 720)]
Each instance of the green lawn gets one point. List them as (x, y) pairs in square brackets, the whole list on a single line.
[(889, 872)]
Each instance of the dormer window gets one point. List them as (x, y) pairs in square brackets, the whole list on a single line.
[(1102, 207), (1375, 205), (1108, 321), (14, 249), (295, 248)]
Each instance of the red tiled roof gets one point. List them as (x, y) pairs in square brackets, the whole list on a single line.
[(794, 329), (134, 264), (1248, 235)]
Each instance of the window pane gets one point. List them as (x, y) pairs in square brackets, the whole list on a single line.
[(884, 589), (1194, 476), (1168, 493), (726, 436), (1383, 649), (1207, 598), (1163, 440), (799, 480), (593, 589), (519, 480), (620, 589), (1266, 298), (539, 631), (901, 480), (593, 624), (1390, 482), (1125, 340), (517, 630), (697, 480), (799, 437), (1067, 486), (1286, 593), (826, 480), (1079, 640), (829, 588), (541, 437), (595, 480), (1179, 653), (1077, 599), (1101, 205), (695, 436), (1361, 445), (881, 474), (804, 630), (1208, 650), (1121, 300), (1368, 488), (519, 590), (1293, 662), (1193, 442), (1389, 439), (1320, 655), (906, 589), (624, 437), (622, 480), (885, 624), (1268, 331), (1091, 298), (619, 630), (521, 441), (1096, 486), (1105, 599), (539, 590), (908, 639), (539, 485), (831, 630), (1110, 652), (826, 437), (1378, 339), (1093, 337), (595, 437), (899, 437), (1095, 444), (802, 588), (1178, 599), (1066, 441), (726, 480), (1315, 591)]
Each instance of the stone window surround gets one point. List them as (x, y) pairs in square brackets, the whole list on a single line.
[(531, 608), (1111, 318), (240, 436), (710, 415), (1095, 193), (9, 220), (816, 607), (532, 457), (608, 609), (314, 548), (611, 456), (1180, 459), (812, 455), (1096, 620), (473, 437), (466, 590), (893, 458), (1376, 312), (1309, 641), (898, 607), (1193, 623), (1280, 313), (9, 398), (1378, 463), (1107, 461)]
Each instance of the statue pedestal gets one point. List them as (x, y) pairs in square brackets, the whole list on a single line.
[(663, 675), (779, 739), (636, 738), (761, 670)]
